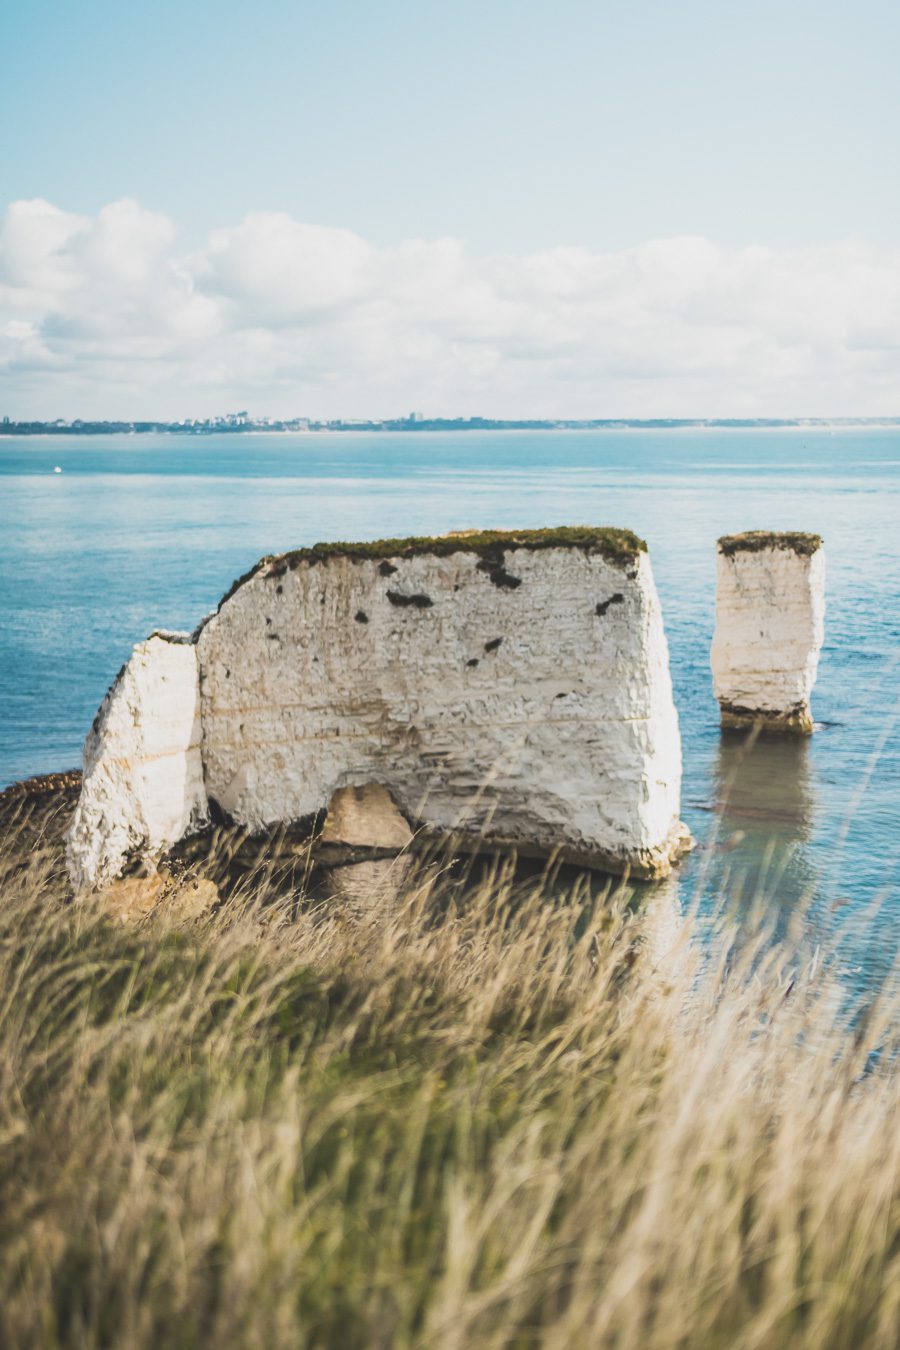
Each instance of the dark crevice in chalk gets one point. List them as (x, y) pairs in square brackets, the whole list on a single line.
[(603, 605), (386, 569), (405, 601), (218, 815), (474, 662), (498, 574), (493, 644), (361, 616)]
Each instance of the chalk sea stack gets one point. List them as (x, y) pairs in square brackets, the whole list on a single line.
[(142, 783), (770, 618), (507, 689)]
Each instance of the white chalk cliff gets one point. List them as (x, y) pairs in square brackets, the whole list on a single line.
[(511, 688), (142, 787), (770, 622)]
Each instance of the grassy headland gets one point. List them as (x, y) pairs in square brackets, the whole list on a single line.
[(482, 1117)]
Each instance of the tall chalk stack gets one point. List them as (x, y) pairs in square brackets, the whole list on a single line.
[(770, 623)]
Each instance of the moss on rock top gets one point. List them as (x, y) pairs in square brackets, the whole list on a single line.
[(754, 541), (612, 543), (618, 546)]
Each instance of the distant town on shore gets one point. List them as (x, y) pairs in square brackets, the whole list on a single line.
[(243, 422)]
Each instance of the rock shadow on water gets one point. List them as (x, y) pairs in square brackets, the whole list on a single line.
[(758, 862)]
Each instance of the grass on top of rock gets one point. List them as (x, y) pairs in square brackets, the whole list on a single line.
[(617, 546), (755, 541), (496, 1115), (612, 543)]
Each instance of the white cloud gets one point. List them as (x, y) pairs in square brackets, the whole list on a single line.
[(108, 316), (277, 270)]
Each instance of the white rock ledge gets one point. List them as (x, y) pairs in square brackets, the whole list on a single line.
[(770, 618), (509, 689)]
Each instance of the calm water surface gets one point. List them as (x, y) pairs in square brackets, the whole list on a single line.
[(144, 532)]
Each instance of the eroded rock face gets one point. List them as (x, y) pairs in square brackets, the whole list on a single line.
[(509, 689), (516, 692), (364, 815), (364, 819), (142, 785), (770, 616)]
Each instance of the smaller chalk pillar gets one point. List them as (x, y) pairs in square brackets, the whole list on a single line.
[(142, 787), (770, 621)]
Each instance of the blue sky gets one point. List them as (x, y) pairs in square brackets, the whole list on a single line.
[(512, 125), (515, 129)]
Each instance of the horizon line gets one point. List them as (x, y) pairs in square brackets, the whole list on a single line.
[(242, 421)]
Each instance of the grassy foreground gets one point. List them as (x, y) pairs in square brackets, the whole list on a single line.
[(452, 1123)]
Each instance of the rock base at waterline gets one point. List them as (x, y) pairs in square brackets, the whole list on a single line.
[(796, 721)]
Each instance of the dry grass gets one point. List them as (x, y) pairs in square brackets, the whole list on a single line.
[(466, 1120)]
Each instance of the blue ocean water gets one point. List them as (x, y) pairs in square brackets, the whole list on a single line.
[(143, 532)]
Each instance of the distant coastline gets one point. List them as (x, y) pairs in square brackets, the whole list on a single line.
[(237, 423)]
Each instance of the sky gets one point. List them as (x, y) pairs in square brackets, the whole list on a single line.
[(600, 208)]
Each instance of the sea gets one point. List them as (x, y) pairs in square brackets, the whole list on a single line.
[(148, 531)]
